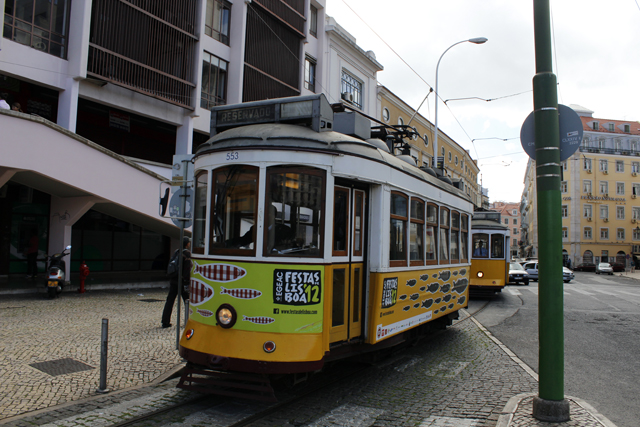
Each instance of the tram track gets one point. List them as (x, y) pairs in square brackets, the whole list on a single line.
[(296, 395)]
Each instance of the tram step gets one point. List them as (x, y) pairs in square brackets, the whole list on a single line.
[(244, 386)]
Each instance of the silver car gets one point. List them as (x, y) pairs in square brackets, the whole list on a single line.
[(532, 269), (604, 268)]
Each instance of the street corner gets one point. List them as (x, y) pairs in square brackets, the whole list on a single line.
[(518, 412)]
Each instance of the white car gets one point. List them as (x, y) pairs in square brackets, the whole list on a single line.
[(517, 274), (605, 268)]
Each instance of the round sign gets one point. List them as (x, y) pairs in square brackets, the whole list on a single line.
[(175, 208), (571, 131)]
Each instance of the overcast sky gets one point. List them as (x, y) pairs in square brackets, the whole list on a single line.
[(596, 61)]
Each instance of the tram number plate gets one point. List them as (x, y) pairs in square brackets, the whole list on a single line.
[(234, 155)]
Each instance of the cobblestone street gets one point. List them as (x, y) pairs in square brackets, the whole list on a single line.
[(50, 349)]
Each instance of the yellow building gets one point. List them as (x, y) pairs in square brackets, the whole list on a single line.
[(457, 162), (600, 211)]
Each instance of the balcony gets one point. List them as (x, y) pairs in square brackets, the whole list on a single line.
[(609, 151)]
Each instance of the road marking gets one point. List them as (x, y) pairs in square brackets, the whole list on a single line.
[(604, 292), (534, 290), (514, 292), (580, 291), (627, 293), (603, 281)]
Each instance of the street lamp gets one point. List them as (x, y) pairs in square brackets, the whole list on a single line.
[(477, 40)]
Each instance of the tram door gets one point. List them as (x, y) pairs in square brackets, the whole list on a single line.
[(348, 269)]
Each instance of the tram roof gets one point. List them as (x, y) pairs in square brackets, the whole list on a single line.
[(487, 224), (279, 136)]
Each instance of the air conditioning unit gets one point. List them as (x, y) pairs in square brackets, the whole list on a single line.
[(606, 219), (633, 196), (605, 195), (605, 172), (347, 96), (633, 221), (589, 219), (634, 174), (588, 170)]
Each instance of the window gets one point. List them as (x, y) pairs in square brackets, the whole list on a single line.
[(635, 212), (235, 201), (604, 233), (442, 151), (358, 222), (340, 221), (565, 211), (604, 167), (565, 166), (310, 73), (214, 81), (586, 211), (456, 161), (565, 233), (601, 144), (515, 231), (398, 239), (416, 231), (604, 256), (480, 245), (216, 21), (515, 221), (497, 246), (604, 187), (353, 86), (587, 233), (595, 125), (294, 212), (619, 212), (455, 236), (432, 234), (444, 235), (620, 188), (636, 234), (464, 238), (586, 186), (634, 145), (426, 140), (386, 115), (604, 212), (620, 233), (200, 213), (400, 121), (313, 21), (635, 167), (43, 25), (506, 220), (635, 189), (587, 164), (619, 166), (563, 187), (627, 128), (611, 128)]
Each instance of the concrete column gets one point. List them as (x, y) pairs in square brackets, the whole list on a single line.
[(64, 213), (237, 35)]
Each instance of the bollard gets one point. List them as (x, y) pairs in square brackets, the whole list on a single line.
[(103, 357)]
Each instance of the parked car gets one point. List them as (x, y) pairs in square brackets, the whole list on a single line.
[(585, 266), (532, 268), (617, 267), (517, 274), (604, 268)]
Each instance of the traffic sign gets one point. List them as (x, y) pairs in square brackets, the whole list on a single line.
[(571, 131), (175, 208)]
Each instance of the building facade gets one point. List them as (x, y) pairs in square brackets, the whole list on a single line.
[(600, 213), (119, 87), (510, 216)]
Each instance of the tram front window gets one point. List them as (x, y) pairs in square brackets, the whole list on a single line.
[(294, 212), (480, 245), (497, 246), (235, 201)]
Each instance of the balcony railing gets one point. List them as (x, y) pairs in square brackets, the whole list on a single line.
[(609, 151)]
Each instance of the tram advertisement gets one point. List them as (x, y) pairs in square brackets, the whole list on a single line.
[(266, 297), (406, 299)]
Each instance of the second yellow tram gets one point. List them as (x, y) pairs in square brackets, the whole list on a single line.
[(489, 252)]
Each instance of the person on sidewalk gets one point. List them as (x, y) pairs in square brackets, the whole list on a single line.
[(174, 287)]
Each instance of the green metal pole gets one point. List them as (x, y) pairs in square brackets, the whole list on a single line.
[(550, 405)]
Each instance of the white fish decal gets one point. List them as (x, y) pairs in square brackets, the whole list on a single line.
[(199, 292), (260, 320), (240, 293), (220, 272)]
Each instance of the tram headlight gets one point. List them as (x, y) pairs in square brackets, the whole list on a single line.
[(480, 274), (226, 316)]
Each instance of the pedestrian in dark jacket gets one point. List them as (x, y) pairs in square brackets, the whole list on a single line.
[(174, 285)]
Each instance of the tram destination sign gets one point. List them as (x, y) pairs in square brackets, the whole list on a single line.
[(571, 131), (255, 114)]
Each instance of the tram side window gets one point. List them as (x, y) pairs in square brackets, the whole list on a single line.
[(480, 245), (340, 221), (464, 238), (455, 236), (235, 197), (416, 231), (200, 213), (497, 246), (444, 235), (432, 234), (294, 212), (398, 238)]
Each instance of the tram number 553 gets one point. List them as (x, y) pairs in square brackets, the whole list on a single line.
[(234, 155)]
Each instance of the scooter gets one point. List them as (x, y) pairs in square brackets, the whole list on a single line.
[(56, 272)]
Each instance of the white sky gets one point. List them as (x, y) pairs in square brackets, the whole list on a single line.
[(596, 61)]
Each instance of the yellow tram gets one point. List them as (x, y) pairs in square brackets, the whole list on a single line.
[(313, 242), (489, 252)]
